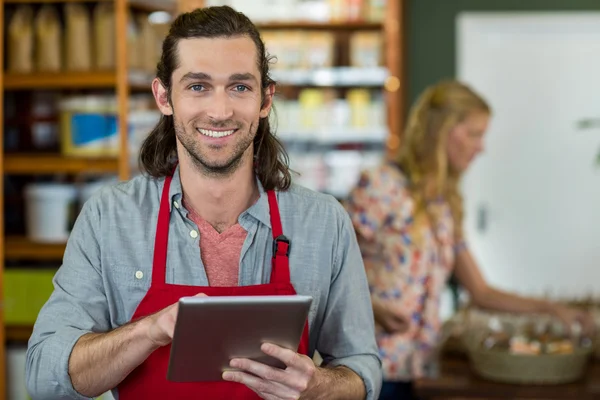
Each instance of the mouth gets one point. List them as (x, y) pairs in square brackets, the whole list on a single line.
[(216, 133)]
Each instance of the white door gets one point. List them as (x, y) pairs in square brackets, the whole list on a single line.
[(533, 198)]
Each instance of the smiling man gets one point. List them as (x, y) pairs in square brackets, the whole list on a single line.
[(215, 214)]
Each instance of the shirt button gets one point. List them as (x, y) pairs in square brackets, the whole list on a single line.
[(194, 234), (176, 204), (139, 274)]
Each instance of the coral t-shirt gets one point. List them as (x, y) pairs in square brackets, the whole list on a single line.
[(220, 252)]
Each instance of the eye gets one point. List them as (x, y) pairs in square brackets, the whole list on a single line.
[(197, 88), (242, 88)]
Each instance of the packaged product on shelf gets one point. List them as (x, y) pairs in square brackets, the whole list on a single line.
[(293, 49), (89, 126), (312, 106), (340, 114), (277, 44), (359, 100), (348, 10), (147, 47), (343, 169), (78, 47), (337, 10), (355, 10), (104, 37), (20, 41), (319, 50), (265, 10), (311, 171), (133, 43), (26, 289), (44, 135), (366, 49), (48, 40), (141, 122), (271, 44), (377, 111), (376, 10)]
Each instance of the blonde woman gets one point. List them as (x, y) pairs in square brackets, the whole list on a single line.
[(408, 218)]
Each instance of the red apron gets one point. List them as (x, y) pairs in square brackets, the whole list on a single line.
[(148, 381)]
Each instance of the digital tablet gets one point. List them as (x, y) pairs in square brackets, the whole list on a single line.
[(210, 331)]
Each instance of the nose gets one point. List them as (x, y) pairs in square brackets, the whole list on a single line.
[(220, 107)]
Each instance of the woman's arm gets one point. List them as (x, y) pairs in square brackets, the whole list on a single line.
[(392, 320), (485, 296)]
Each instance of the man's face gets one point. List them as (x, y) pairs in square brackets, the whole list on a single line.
[(215, 102)]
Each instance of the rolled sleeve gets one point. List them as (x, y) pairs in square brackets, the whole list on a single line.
[(364, 366), (48, 366), (77, 306), (347, 336)]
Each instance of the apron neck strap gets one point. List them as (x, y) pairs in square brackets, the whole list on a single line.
[(161, 241), (280, 269)]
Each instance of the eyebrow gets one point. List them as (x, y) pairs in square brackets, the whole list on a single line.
[(243, 77), (195, 76), (203, 76)]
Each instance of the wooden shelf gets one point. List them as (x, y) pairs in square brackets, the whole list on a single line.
[(67, 80), (18, 333), (21, 248), (321, 25), (138, 5), (52, 1), (23, 164), (153, 5), (76, 80)]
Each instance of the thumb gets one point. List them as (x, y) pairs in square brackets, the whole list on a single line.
[(200, 295)]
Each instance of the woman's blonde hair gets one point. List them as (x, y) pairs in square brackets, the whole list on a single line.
[(423, 154)]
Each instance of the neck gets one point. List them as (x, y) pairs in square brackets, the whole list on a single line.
[(219, 200)]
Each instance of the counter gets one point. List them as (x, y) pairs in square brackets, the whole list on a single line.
[(457, 382)]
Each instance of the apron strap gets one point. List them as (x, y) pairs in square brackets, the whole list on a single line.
[(159, 264), (280, 269)]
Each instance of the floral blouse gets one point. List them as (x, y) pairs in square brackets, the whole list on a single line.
[(409, 271)]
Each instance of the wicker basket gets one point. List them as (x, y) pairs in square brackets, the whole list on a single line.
[(541, 369)]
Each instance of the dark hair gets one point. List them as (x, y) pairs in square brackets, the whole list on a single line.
[(157, 153)]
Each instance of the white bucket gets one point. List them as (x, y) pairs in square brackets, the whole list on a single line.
[(15, 372), (49, 211)]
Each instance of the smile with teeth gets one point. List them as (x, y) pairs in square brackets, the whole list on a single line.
[(215, 134)]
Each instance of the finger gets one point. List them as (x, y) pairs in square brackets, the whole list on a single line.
[(258, 385), (401, 317), (267, 396), (395, 326), (400, 328), (261, 370), (201, 295), (287, 356)]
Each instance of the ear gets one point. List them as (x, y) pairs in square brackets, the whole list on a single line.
[(268, 101), (161, 97)]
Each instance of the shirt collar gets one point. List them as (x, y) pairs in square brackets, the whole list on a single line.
[(259, 210)]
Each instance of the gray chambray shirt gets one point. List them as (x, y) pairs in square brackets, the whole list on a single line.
[(107, 270)]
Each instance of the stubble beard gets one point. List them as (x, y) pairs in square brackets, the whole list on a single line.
[(215, 170)]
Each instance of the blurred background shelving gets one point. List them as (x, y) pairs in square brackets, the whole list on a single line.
[(77, 103)]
